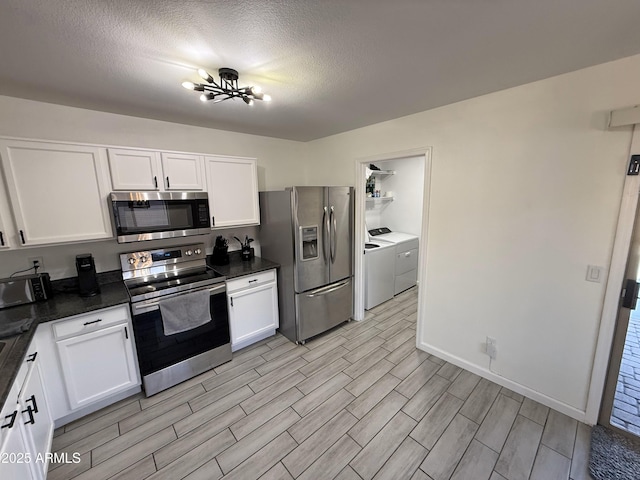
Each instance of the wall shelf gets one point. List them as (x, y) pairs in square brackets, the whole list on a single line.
[(382, 173), (379, 199)]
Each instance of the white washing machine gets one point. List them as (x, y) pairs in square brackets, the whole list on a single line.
[(406, 256), (379, 273)]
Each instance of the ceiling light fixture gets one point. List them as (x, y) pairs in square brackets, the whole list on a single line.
[(226, 88)]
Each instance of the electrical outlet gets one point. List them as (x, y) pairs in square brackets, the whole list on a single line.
[(40, 261), (492, 348)]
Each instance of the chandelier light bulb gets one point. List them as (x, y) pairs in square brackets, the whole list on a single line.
[(255, 90), (204, 97), (247, 100), (266, 98), (189, 85), (205, 75)]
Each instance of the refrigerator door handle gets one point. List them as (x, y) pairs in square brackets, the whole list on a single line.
[(325, 233), (331, 288), (333, 235)]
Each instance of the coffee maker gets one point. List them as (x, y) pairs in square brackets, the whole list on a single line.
[(87, 279)]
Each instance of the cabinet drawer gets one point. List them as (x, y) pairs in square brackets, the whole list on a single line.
[(251, 280), (406, 261), (90, 321)]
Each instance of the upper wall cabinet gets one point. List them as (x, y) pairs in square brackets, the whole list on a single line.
[(58, 192), (4, 217), (232, 184), (133, 170)]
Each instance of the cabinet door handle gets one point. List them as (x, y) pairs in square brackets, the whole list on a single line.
[(168, 186), (155, 181), (11, 421), (213, 221), (94, 321), (231, 300), (32, 357), (31, 420), (1, 240), (35, 405), (126, 333), (253, 281), (22, 237)]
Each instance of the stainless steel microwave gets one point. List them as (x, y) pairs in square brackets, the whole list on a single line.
[(140, 216), (24, 289)]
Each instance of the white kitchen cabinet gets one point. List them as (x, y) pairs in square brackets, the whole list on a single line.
[(97, 360), (232, 184), (4, 235), (27, 426), (15, 457), (58, 192), (134, 170), (182, 171), (252, 301)]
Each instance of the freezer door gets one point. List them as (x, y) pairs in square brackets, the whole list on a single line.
[(340, 203), (324, 308), (311, 228)]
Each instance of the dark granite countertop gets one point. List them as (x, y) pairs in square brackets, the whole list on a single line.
[(238, 267), (63, 304)]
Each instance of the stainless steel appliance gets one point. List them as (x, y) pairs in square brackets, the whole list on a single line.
[(139, 216), (24, 289), (309, 232), (154, 276)]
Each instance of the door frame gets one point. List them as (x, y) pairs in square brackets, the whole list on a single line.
[(618, 265), (359, 240)]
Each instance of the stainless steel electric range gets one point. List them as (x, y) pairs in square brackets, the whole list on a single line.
[(156, 277)]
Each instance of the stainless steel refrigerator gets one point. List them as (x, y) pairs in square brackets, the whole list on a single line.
[(309, 232)]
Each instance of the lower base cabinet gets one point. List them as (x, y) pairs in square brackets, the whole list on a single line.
[(27, 425), (90, 362), (253, 308), (97, 364)]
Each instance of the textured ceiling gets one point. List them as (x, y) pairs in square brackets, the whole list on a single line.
[(330, 65)]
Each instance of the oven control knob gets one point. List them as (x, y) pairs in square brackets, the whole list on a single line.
[(188, 253), (132, 261), (144, 259), (197, 251)]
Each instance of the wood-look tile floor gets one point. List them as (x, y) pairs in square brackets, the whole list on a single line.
[(360, 402)]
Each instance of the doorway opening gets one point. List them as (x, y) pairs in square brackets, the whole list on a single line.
[(621, 399), (392, 192), (626, 401)]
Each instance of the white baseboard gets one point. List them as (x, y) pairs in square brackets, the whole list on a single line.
[(557, 405)]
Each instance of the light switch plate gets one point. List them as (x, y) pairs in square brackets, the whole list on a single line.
[(594, 273)]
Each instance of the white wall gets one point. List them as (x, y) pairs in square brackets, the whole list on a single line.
[(281, 163), (525, 191), (404, 213)]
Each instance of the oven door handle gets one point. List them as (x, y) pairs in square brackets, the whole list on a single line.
[(145, 305)]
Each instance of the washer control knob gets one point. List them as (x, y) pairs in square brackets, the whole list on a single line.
[(132, 261), (188, 253), (197, 251)]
